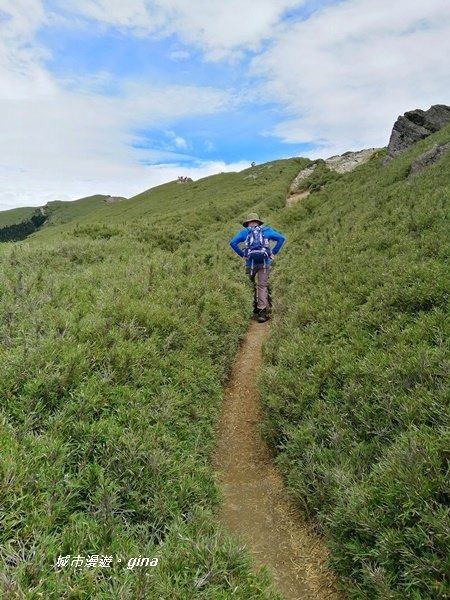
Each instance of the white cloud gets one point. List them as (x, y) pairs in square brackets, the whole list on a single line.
[(21, 17), (83, 142), (345, 74), (55, 142), (38, 187), (20, 70), (181, 143), (224, 28), (221, 29), (178, 55)]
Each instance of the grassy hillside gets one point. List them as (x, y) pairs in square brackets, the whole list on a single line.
[(16, 215), (61, 211), (20, 223), (119, 328), (217, 199), (355, 386), (116, 336)]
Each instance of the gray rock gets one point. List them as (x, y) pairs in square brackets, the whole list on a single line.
[(416, 125), (342, 163), (304, 174), (349, 160), (430, 157), (111, 199)]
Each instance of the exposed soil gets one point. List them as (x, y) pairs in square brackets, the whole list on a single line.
[(256, 508), (294, 198)]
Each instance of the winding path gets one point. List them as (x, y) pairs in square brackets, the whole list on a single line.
[(255, 506)]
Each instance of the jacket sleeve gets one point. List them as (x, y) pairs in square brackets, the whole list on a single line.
[(278, 238), (239, 238)]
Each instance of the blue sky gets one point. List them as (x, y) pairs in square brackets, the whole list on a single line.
[(102, 96), (242, 131)]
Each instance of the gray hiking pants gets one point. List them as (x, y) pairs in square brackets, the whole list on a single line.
[(259, 276)]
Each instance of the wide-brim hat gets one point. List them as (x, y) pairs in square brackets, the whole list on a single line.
[(252, 217)]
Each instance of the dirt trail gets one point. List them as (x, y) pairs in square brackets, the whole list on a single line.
[(255, 506)]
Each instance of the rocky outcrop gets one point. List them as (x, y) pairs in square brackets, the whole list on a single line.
[(111, 199), (349, 160), (416, 125), (430, 157), (342, 163), (304, 174)]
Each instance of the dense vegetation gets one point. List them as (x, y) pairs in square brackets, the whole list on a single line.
[(117, 332), (22, 229), (19, 223), (15, 215), (355, 386)]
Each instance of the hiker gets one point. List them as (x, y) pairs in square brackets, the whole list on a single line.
[(258, 255)]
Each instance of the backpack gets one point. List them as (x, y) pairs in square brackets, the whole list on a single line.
[(257, 248)]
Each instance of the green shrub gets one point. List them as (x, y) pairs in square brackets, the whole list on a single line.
[(117, 333), (355, 385)]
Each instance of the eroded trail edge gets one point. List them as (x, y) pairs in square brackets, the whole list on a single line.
[(255, 507)]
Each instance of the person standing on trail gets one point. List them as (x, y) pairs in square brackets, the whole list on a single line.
[(258, 255)]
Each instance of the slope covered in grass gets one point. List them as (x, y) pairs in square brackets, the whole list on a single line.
[(116, 336), (63, 211), (216, 200), (355, 385), (118, 330), (15, 215), (20, 223)]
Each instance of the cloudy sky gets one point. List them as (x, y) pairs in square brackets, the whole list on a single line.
[(114, 97)]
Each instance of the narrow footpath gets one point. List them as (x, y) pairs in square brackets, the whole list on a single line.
[(256, 508)]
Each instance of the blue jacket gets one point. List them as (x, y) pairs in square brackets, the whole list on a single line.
[(269, 233)]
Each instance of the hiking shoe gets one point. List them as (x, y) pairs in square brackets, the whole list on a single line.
[(262, 316)]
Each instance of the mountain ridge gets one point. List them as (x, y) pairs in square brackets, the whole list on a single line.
[(18, 224)]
